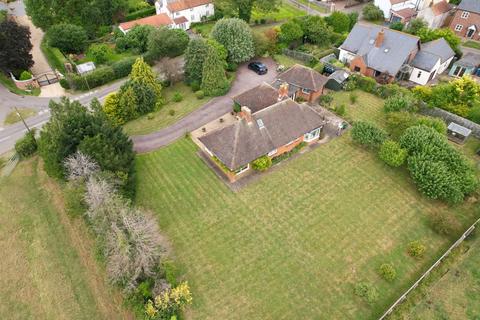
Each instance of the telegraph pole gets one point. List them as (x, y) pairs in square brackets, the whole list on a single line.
[(21, 118)]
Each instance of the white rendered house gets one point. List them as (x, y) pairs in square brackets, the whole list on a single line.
[(184, 12)]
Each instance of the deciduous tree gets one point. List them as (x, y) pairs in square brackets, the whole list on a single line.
[(243, 8), (69, 38), (236, 36), (214, 80), (15, 47), (166, 42)]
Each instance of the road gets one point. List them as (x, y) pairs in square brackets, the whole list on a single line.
[(9, 135)]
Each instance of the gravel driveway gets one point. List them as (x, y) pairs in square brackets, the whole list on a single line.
[(215, 108)]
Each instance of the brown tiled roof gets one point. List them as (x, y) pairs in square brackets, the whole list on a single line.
[(180, 20), (157, 20), (242, 142), (397, 1), (406, 13), (180, 5), (440, 8), (303, 77), (258, 98)]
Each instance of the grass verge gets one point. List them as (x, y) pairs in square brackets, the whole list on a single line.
[(13, 117)]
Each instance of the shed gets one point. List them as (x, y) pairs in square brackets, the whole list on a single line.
[(458, 133), (337, 80), (85, 67)]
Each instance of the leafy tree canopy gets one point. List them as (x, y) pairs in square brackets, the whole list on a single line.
[(372, 13), (236, 36), (15, 47), (290, 31), (194, 58), (166, 42), (339, 21), (69, 38), (243, 8)]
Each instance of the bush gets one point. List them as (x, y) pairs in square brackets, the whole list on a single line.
[(140, 14), (397, 26), (97, 77), (400, 102), (26, 146), (387, 272), (319, 67), (392, 154), (262, 163), (69, 38), (368, 134), (387, 90), (25, 75), (64, 83), (372, 13), (350, 85), (325, 100), (99, 53), (166, 83), (416, 249), (438, 169), (435, 123), (199, 94), (445, 224), (177, 97), (195, 85), (353, 97), (398, 122), (366, 291), (231, 67), (122, 68), (366, 84), (340, 110)]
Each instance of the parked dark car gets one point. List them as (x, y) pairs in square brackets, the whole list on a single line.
[(258, 67)]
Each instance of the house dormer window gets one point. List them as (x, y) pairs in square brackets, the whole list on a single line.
[(465, 14)]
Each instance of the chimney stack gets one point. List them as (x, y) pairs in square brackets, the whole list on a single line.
[(283, 91), (380, 38), (246, 114)]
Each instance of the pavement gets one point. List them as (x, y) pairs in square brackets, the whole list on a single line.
[(215, 108)]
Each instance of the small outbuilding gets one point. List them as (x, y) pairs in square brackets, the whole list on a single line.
[(458, 133), (337, 80), (85, 68)]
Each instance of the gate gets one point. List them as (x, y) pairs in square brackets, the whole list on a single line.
[(47, 78)]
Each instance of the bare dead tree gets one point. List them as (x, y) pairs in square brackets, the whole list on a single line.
[(133, 248), (80, 166)]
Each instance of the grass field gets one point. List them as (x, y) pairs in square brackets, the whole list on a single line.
[(287, 61), (457, 294), (13, 117), (285, 11), (367, 108), (163, 118), (48, 266), (293, 244)]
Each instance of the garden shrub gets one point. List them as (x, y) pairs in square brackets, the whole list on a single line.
[(166, 83), (353, 97), (325, 100), (169, 303), (177, 97), (387, 272), (435, 123), (368, 134), (26, 146), (366, 291), (319, 67), (400, 102), (372, 13), (416, 249), (199, 94), (398, 122), (437, 168), (99, 53), (350, 85), (64, 83), (392, 154), (262, 163), (231, 67), (340, 110), (387, 90), (195, 85), (25, 75), (69, 38), (366, 84), (122, 68), (445, 224)]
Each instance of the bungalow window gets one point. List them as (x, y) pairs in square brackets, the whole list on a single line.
[(356, 69), (458, 27), (312, 135), (242, 169), (271, 153), (465, 14), (419, 74), (307, 91)]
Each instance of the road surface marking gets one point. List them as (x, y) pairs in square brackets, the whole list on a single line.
[(5, 139)]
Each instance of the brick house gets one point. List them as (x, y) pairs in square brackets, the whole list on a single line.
[(303, 82), (271, 130), (388, 55), (466, 21)]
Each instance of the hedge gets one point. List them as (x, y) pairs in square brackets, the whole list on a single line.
[(98, 77), (122, 68), (150, 11)]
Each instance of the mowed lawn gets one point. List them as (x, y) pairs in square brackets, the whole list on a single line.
[(44, 272), (163, 117), (293, 244), (457, 294)]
